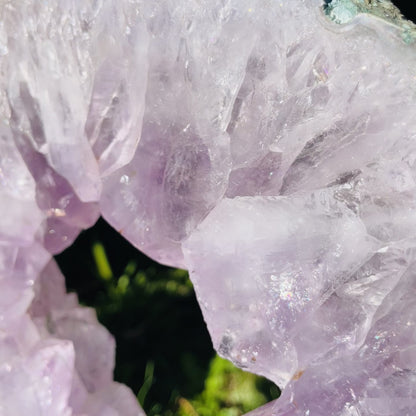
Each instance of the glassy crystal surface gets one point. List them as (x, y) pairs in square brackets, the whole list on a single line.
[(71, 105), (268, 147)]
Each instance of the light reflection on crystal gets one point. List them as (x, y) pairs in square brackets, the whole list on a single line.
[(275, 161)]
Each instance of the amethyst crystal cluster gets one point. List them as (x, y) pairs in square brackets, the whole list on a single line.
[(269, 147)]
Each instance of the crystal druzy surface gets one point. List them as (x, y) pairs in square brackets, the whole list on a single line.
[(269, 147)]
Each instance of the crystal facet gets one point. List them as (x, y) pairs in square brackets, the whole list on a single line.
[(268, 147)]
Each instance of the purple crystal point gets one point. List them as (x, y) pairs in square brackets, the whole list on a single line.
[(63, 125), (268, 147)]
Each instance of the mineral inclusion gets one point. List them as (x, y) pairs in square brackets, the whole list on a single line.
[(267, 146)]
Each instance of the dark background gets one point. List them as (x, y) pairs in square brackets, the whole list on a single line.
[(407, 7), (164, 352)]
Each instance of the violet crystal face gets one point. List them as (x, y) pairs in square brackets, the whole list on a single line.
[(269, 147)]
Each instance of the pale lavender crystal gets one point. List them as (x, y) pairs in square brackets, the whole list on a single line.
[(276, 162), (378, 380), (72, 98), (56, 359), (64, 122), (306, 270), (181, 165), (57, 315), (296, 259)]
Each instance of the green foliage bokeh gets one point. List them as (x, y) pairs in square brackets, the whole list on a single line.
[(164, 353)]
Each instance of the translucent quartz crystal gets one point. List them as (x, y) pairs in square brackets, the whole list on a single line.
[(71, 107), (71, 104), (56, 359), (90, 389), (267, 146)]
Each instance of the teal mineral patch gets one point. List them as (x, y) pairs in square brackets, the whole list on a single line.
[(343, 11)]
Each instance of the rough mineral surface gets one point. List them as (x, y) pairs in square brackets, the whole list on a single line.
[(267, 146), (71, 103)]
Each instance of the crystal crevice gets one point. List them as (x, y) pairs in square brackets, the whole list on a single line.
[(267, 147)]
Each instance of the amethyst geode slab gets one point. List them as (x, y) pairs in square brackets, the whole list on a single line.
[(68, 81), (266, 146)]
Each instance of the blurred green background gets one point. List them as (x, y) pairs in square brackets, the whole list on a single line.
[(164, 352)]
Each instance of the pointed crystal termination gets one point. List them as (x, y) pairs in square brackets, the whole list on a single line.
[(71, 106)]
